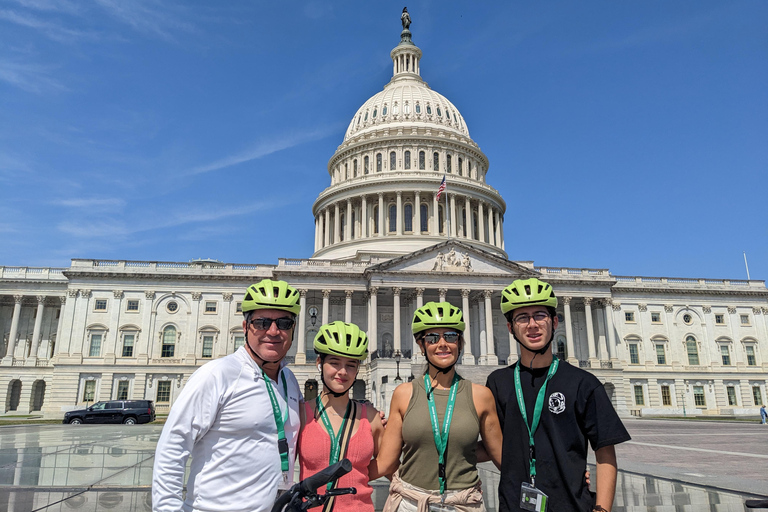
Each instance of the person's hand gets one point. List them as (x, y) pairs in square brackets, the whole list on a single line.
[(586, 476), (383, 419)]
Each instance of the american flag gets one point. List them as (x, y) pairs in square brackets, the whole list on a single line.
[(441, 188)]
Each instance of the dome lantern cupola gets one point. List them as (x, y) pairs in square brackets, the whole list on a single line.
[(406, 55)]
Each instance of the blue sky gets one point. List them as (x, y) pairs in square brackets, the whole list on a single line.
[(623, 135)]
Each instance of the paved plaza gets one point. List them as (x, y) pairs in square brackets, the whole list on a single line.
[(668, 466)]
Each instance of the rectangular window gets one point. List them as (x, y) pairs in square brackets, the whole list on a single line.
[(634, 356), (422, 160), (132, 305), (661, 356), (655, 317), (726, 355), (407, 163), (666, 396), (698, 396), (239, 341), (95, 348), (207, 346), (751, 359), (122, 390), (128, 340), (693, 353), (100, 305), (378, 162), (629, 316), (238, 307), (744, 319), (448, 163), (163, 391), (731, 395), (757, 395), (210, 307), (639, 398), (89, 391), (168, 350), (719, 319), (392, 161)]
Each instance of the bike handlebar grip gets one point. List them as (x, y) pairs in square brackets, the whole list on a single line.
[(329, 474), (282, 501), (757, 503)]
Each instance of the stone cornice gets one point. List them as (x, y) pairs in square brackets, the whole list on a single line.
[(418, 142)]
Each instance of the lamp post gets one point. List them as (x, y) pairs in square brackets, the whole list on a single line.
[(398, 355)]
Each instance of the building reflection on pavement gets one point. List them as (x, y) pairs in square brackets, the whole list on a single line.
[(109, 468)]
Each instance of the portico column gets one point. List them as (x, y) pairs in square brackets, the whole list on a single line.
[(8, 359), (468, 218), (327, 228), (336, 224), (468, 357), (417, 207), (364, 218), (400, 219), (490, 358), (609, 327), (571, 356), (326, 303), (301, 355), (590, 332), (373, 315), (317, 224), (435, 216), (501, 232), (396, 299), (381, 214), (443, 292), (453, 215), (37, 329), (496, 231), (51, 348), (348, 306), (490, 226), (419, 297), (480, 222), (348, 221)]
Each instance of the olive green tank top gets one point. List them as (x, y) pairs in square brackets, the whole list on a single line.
[(420, 458)]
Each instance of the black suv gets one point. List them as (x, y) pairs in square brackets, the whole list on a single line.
[(129, 412)]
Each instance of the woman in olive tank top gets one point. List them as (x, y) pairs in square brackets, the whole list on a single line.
[(434, 423)]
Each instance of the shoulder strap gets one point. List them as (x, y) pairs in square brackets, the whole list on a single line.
[(346, 435)]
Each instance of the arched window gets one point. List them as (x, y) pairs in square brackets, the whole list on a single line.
[(407, 158), (378, 162), (429, 109), (384, 110), (448, 163), (406, 108), (169, 341), (352, 226), (392, 161), (424, 217), (392, 218), (354, 168), (440, 220), (395, 109), (346, 171), (436, 161), (692, 348), (375, 220), (422, 160), (562, 354), (408, 217), (342, 219), (460, 168), (365, 165), (418, 108), (375, 111)]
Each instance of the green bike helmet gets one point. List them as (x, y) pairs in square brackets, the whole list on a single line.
[(269, 294), (437, 314), (527, 292), (341, 339)]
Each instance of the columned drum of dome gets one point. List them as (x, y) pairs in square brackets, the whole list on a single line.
[(385, 175)]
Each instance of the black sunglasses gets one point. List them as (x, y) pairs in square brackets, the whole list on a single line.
[(432, 338), (263, 324)]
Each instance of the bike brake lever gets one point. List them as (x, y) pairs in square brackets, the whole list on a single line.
[(341, 491)]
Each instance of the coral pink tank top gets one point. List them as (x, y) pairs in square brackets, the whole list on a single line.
[(315, 452)]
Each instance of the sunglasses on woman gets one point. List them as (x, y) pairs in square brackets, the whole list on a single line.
[(433, 338)]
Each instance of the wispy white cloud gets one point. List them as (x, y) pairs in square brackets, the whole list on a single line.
[(52, 30), (51, 5), (149, 17), (265, 148), (90, 203)]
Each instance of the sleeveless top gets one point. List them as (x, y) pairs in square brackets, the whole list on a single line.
[(420, 457), (315, 451)]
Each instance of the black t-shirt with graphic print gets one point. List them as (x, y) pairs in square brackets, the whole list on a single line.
[(576, 410)]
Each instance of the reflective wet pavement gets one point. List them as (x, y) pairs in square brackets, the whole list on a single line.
[(109, 468)]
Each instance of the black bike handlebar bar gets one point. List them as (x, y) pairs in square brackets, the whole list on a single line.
[(757, 503), (329, 474)]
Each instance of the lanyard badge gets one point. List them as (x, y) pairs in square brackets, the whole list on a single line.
[(335, 437), (280, 421), (441, 438)]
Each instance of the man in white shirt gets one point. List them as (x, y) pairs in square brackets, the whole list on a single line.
[(237, 417)]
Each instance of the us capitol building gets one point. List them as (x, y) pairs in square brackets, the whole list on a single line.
[(384, 244)]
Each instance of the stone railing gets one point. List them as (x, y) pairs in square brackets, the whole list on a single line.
[(324, 265), (685, 282), (205, 267), (32, 273), (574, 271)]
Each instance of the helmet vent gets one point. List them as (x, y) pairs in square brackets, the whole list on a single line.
[(275, 291), (527, 289)]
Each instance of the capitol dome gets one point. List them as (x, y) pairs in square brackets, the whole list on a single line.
[(384, 199)]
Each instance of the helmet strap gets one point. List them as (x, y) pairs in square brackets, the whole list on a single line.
[(327, 389), (440, 370)]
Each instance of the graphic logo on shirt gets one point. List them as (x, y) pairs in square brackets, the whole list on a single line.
[(556, 403)]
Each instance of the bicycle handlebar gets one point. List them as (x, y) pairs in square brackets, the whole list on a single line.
[(757, 503), (328, 474)]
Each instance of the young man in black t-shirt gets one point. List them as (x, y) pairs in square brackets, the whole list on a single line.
[(544, 456)]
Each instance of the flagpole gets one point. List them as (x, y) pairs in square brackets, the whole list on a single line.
[(746, 265)]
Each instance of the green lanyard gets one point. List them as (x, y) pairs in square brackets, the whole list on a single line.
[(280, 421), (335, 437), (441, 440), (536, 411)]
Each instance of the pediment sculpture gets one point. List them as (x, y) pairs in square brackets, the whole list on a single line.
[(452, 262)]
